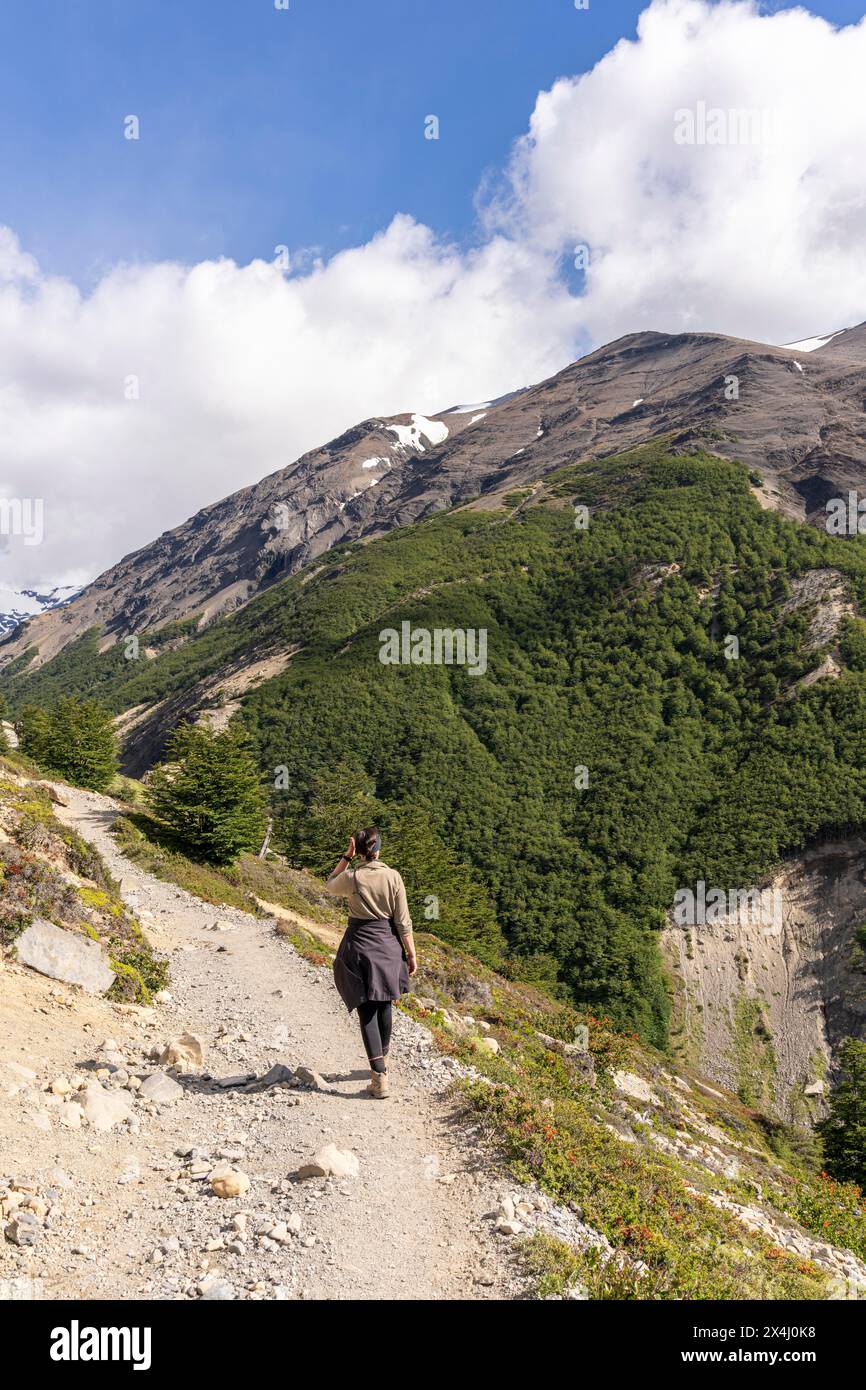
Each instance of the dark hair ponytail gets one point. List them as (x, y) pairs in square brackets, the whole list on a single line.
[(368, 841)]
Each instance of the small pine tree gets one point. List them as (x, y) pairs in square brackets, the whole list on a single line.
[(209, 792), (74, 739), (844, 1129)]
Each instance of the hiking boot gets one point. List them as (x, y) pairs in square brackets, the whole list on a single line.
[(378, 1087)]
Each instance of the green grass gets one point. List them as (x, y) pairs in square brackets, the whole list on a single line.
[(754, 1054)]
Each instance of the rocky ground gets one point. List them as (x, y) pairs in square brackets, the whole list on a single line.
[(123, 1175)]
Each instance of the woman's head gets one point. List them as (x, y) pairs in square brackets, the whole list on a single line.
[(368, 842)]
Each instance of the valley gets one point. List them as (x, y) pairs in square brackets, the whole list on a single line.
[(565, 587)]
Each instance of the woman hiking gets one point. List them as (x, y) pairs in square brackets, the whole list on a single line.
[(376, 956)]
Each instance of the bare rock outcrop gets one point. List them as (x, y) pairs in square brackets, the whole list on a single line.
[(763, 1001)]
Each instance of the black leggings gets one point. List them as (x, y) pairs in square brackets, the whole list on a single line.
[(375, 1016)]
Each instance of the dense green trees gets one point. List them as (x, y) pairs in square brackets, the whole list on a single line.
[(316, 832), (446, 896), (74, 739), (209, 793), (609, 650), (844, 1129)]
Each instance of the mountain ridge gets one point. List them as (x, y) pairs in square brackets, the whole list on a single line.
[(800, 425), (606, 650)]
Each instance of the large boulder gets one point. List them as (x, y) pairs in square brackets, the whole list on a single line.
[(64, 955), (636, 1087)]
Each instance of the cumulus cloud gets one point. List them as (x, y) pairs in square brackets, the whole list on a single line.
[(756, 228), (169, 386), (239, 369)]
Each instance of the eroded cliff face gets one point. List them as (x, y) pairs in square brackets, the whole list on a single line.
[(763, 1000)]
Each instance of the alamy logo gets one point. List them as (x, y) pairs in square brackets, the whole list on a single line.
[(713, 125), (702, 906), (77, 1343), (441, 646), (846, 516), (23, 516)]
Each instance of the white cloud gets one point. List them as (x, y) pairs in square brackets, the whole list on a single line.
[(239, 371), (242, 369), (761, 240)]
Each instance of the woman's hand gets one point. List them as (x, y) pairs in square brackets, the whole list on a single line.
[(350, 852), (412, 962)]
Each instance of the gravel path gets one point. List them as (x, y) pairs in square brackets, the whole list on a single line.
[(414, 1224)]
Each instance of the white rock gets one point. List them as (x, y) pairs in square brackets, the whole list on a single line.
[(231, 1183), (185, 1053), (104, 1109), (331, 1162), (64, 955), (26, 1073), (632, 1085), (161, 1088)]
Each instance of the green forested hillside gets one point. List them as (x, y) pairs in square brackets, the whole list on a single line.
[(599, 657)]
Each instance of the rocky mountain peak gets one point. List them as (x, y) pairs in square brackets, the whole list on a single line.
[(793, 413)]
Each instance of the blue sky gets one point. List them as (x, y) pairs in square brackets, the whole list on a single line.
[(261, 127), (152, 261)]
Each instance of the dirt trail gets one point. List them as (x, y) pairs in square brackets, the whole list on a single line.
[(410, 1226)]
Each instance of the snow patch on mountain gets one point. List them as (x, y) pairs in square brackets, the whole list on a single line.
[(812, 344), (411, 436), (17, 605)]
